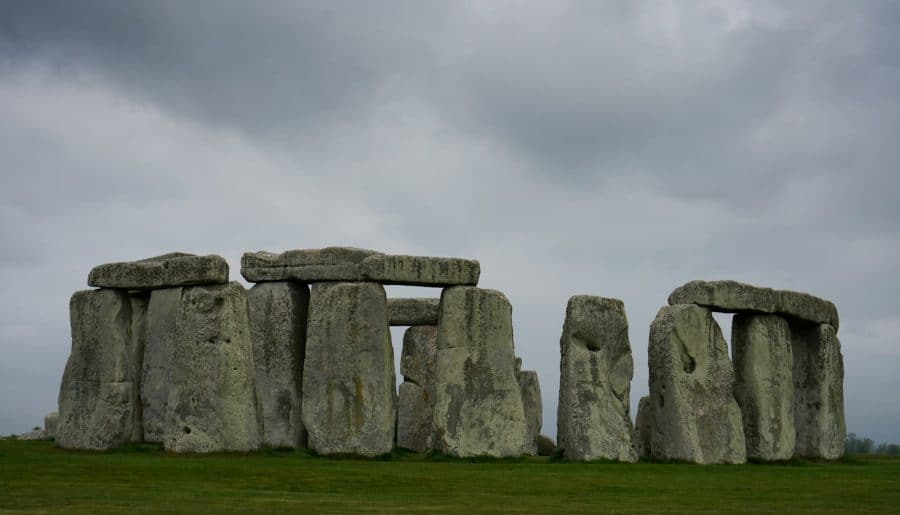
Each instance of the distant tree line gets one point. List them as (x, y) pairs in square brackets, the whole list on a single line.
[(857, 445)]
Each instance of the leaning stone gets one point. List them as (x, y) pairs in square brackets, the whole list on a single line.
[(278, 331), (421, 270), (818, 392), (97, 399), (415, 410), (305, 265), (414, 311), (735, 297), (643, 426), (51, 422), (349, 404), (695, 416), (156, 372), (478, 406), (212, 402), (595, 381), (764, 387), (161, 272), (530, 388)]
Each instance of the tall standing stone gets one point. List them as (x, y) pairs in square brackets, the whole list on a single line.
[(212, 402), (349, 404), (643, 427), (278, 313), (139, 304), (478, 406), (415, 409), (695, 415), (818, 392), (595, 381), (764, 387), (97, 398), (530, 388), (156, 372)]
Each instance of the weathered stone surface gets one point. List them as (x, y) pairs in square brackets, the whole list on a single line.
[(51, 421), (530, 388), (478, 406), (764, 385), (139, 305), (735, 297), (643, 424), (212, 402), (414, 311), (415, 410), (306, 265), (97, 398), (168, 270), (593, 420), (278, 330), (695, 416), (421, 270), (818, 392), (156, 372), (349, 399)]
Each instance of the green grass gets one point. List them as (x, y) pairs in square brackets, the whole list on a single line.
[(36, 477)]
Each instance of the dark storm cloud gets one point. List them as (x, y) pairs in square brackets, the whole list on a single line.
[(618, 149)]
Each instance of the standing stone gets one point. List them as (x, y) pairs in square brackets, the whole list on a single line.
[(415, 410), (97, 396), (278, 330), (695, 416), (818, 392), (530, 388), (51, 422), (764, 385), (212, 402), (595, 381), (478, 406), (643, 426), (156, 373), (349, 404), (139, 304)]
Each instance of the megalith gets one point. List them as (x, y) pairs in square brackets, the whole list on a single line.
[(349, 399), (764, 386), (478, 405), (98, 398), (166, 271), (596, 367), (415, 409), (212, 403), (156, 371), (818, 392), (530, 388), (695, 415), (277, 313), (643, 424)]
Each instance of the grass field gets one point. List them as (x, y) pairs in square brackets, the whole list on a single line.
[(36, 477)]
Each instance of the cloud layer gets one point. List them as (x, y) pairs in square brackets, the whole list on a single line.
[(572, 148)]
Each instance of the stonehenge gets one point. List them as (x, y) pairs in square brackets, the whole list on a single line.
[(168, 350)]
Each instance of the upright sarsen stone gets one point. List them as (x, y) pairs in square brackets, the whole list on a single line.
[(643, 424), (349, 404), (764, 387), (596, 368), (278, 330), (156, 372), (478, 406), (695, 416), (818, 392), (415, 410), (530, 388), (212, 402), (98, 395)]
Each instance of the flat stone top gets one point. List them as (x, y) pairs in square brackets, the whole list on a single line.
[(735, 297), (165, 271), (352, 264)]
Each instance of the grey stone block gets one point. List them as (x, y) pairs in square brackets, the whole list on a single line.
[(164, 271), (414, 311)]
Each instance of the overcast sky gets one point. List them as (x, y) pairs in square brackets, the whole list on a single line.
[(614, 149)]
